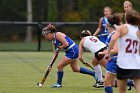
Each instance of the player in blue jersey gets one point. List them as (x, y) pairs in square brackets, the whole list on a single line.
[(71, 53), (111, 66), (102, 30)]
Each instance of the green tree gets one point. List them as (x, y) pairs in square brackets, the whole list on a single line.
[(13, 10), (52, 10)]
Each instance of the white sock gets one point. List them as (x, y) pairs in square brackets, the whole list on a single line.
[(98, 72)]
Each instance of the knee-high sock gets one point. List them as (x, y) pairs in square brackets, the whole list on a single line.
[(86, 71), (59, 77), (98, 72), (108, 89)]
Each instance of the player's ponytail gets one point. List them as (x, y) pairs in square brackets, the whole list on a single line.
[(49, 29), (114, 20)]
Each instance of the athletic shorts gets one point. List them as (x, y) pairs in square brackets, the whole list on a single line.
[(111, 67), (102, 56), (72, 53), (127, 73)]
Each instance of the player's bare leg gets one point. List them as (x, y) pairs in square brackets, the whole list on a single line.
[(122, 86)]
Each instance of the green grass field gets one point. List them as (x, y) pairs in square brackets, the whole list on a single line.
[(20, 71)]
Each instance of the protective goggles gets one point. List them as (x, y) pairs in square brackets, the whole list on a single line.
[(46, 32)]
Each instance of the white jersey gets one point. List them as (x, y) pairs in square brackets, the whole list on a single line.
[(128, 56), (93, 44)]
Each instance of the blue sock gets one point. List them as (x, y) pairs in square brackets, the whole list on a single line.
[(130, 83), (59, 77), (86, 71), (108, 89)]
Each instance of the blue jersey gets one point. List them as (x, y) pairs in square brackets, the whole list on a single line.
[(113, 57), (104, 30), (71, 50), (111, 66)]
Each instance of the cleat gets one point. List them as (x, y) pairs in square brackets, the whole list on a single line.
[(129, 87), (56, 86), (98, 84), (130, 84)]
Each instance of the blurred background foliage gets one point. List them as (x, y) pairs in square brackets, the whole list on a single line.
[(14, 37), (60, 10)]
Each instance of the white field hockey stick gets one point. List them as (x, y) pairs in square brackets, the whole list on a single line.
[(102, 35)]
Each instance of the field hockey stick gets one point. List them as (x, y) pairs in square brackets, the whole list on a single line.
[(48, 69), (87, 64)]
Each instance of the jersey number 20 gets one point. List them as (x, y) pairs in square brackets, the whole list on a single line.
[(132, 46)]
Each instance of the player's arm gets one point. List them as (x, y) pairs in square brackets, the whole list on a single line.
[(138, 34), (114, 50), (114, 40), (61, 37), (80, 56), (99, 27)]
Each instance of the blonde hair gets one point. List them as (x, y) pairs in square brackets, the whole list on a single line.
[(107, 7), (129, 3)]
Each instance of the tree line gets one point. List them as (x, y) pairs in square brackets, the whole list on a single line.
[(60, 10), (55, 11)]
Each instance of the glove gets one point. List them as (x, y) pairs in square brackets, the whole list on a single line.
[(49, 68), (57, 49)]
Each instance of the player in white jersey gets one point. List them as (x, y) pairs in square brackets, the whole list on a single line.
[(94, 45), (128, 60)]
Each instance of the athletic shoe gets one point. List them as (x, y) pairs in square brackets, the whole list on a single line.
[(130, 84), (129, 87), (98, 84), (56, 86)]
